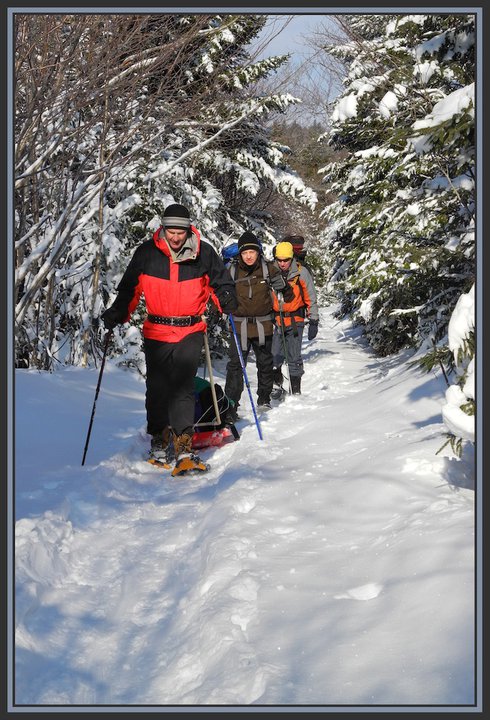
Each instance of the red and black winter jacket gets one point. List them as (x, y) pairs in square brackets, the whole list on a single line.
[(173, 288)]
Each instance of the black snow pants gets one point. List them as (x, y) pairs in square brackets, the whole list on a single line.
[(170, 372), (263, 361)]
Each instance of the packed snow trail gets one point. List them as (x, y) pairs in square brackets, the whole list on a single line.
[(329, 564)]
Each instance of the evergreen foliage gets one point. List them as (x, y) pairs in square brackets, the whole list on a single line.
[(401, 234)]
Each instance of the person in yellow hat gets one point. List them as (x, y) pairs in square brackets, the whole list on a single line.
[(290, 319)]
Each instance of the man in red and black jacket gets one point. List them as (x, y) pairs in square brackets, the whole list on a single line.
[(176, 272)]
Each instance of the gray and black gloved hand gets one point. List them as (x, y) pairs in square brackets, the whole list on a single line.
[(312, 329), (277, 282)]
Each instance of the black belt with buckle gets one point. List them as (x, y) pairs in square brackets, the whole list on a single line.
[(179, 321)]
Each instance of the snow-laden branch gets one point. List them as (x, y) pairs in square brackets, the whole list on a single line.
[(40, 250), (71, 216), (135, 67), (38, 162), (32, 231), (166, 167)]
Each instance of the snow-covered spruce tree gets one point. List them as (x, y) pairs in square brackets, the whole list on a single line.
[(401, 234), (459, 410), (242, 161), (151, 109)]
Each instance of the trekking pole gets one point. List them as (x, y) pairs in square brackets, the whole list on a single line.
[(211, 378), (284, 348), (242, 363), (106, 345)]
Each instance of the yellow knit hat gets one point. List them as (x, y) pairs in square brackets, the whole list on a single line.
[(284, 250)]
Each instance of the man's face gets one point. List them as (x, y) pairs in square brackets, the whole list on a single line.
[(249, 257), (175, 237)]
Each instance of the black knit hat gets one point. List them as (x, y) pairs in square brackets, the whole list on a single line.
[(248, 241), (176, 216)]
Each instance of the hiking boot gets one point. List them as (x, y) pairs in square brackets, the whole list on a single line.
[(161, 449), (277, 377), (186, 460), (264, 403), (182, 444), (296, 385)]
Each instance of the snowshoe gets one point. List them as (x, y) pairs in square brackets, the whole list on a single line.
[(159, 463), (189, 464)]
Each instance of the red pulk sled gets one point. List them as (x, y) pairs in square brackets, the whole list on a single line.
[(214, 438)]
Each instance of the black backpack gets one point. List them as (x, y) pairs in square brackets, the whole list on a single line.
[(204, 413)]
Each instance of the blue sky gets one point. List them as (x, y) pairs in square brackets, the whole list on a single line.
[(291, 39)]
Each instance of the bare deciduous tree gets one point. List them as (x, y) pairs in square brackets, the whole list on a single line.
[(100, 98), (92, 93)]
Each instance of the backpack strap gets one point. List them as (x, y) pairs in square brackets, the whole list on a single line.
[(257, 320), (265, 269)]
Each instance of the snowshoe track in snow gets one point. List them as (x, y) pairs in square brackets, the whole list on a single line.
[(299, 569)]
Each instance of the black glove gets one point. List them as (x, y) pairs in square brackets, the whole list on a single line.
[(111, 318), (277, 282), (228, 303), (312, 329)]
